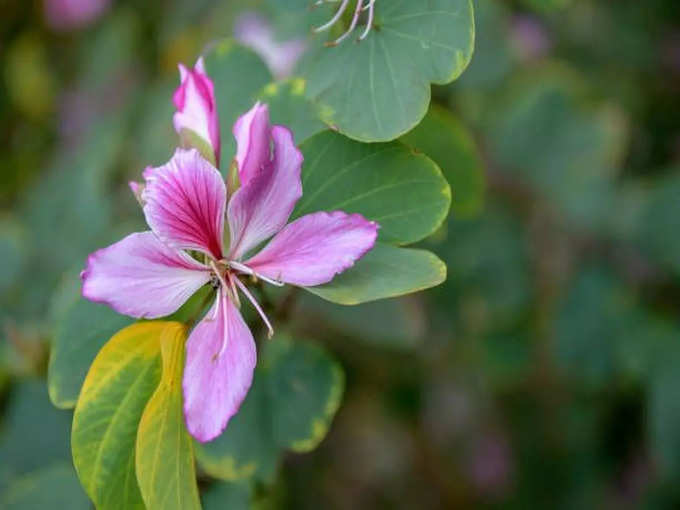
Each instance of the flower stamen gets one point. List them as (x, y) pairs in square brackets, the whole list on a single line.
[(334, 19), (254, 302), (246, 270)]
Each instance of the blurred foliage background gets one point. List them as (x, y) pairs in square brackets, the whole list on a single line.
[(542, 374)]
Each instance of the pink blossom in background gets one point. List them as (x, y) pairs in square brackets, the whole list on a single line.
[(256, 33), (530, 37), (185, 202), (64, 15), (196, 106)]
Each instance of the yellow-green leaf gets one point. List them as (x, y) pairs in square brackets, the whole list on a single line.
[(164, 455), (117, 388)]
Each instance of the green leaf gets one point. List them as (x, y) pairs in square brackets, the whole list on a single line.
[(164, 453), (228, 495), (379, 89), (444, 139), (12, 253), (117, 388), (238, 74), (399, 323), (52, 487), (389, 183), (295, 394), (34, 433), (385, 271), (84, 330), (289, 107)]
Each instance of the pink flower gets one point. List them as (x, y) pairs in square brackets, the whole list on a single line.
[(253, 31), (72, 14), (197, 108), (151, 274)]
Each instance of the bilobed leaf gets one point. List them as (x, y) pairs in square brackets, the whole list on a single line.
[(246, 448), (305, 387), (238, 75), (117, 388), (164, 453), (442, 137), (379, 88), (289, 107), (385, 271), (85, 328), (403, 191), (55, 486), (295, 394)]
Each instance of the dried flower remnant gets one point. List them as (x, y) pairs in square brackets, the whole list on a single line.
[(185, 202), (361, 6)]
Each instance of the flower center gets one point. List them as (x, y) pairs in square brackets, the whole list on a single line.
[(225, 276)]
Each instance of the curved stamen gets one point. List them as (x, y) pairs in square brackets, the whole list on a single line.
[(352, 26), (246, 270), (250, 297), (334, 19), (225, 338), (369, 22)]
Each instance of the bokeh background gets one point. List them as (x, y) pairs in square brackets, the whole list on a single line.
[(545, 372)]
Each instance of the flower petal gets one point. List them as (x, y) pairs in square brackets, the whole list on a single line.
[(253, 135), (314, 248), (185, 201), (217, 375), (142, 277), (196, 106), (262, 207)]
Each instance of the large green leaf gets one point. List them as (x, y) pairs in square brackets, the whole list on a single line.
[(164, 453), (385, 271), (295, 394), (444, 139), (117, 388), (379, 89), (84, 330), (52, 487), (403, 191), (288, 106), (238, 74)]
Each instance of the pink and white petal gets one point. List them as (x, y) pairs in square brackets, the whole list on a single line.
[(185, 201), (262, 207), (252, 132), (220, 361), (314, 248), (142, 277)]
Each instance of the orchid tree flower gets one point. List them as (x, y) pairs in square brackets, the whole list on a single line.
[(63, 15), (196, 114), (151, 274)]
